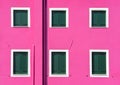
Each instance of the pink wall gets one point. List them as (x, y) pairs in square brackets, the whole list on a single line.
[(20, 38), (79, 32), (84, 39)]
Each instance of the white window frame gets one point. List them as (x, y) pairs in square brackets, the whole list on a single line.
[(107, 64), (58, 9), (50, 64), (19, 8), (12, 55), (99, 9)]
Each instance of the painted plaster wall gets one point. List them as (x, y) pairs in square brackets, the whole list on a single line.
[(20, 38), (84, 39)]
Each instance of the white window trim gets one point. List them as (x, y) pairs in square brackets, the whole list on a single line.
[(67, 64), (20, 75), (107, 64), (19, 8), (99, 9), (58, 9)]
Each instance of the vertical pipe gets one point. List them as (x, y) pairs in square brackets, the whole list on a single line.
[(34, 65), (44, 42)]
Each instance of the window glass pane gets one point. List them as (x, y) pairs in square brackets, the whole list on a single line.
[(20, 18), (58, 63), (99, 18), (98, 63), (20, 64), (58, 18)]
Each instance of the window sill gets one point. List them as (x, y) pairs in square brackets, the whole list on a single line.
[(99, 27), (59, 75), (20, 75), (21, 26), (99, 75), (58, 27)]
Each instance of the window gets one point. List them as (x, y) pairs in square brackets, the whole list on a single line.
[(99, 63), (98, 17), (20, 17), (20, 63), (59, 17), (58, 63)]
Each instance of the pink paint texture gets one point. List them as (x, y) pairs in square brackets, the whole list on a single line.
[(20, 38), (78, 32), (84, 39)]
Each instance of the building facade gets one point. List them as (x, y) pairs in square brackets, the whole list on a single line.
[(21, 42), (83, 42), (49, 42)]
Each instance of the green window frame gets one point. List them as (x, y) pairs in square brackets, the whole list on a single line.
[(99, 63), (99, 17), (58, 17), (20, 63), (20, 17), (58, 63)]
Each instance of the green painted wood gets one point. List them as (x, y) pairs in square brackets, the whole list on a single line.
[(58, 63), (20, 64), (98, 18), (58, 18), (20, 18), (98, 63)]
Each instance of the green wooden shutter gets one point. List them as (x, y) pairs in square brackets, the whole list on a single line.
[(58, 63), (20, 18), (98, 18), (20, 64), (58, 18), (98, 63)]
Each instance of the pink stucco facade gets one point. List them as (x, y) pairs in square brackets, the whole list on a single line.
[(21, 38), (83, 38), (78, 39)]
